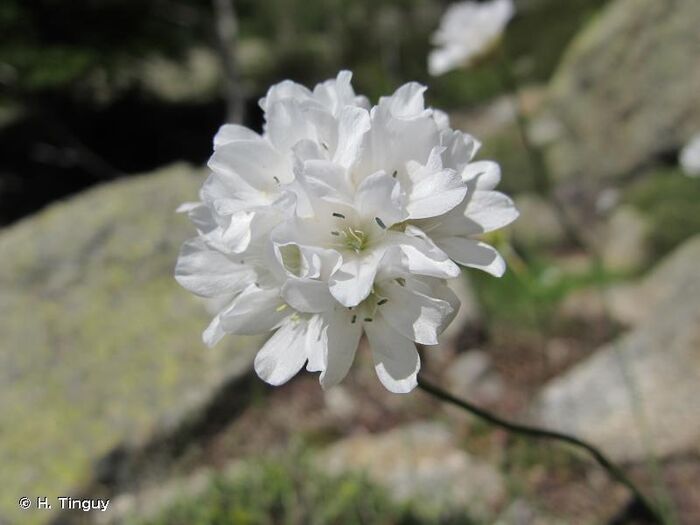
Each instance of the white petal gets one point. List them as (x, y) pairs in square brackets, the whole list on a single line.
[(434, 191), (442, 60), (254, 311), (473, 253), (210, 273), (308, 295), (284, 90), (200, 215), (460, 149), (238, 234), (353, 124), (422, 256), (214, 333), (396, 359), (379, 195), (316, 344), (250, 167), (352, 282), (232, 132), (490, 210), (482, 175), (413, 314), (326, 180), (283, 355), (290, 122), (342, 337), (406, 102)]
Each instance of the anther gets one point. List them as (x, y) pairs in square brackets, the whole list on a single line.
[(339, 215), (383, 301), (381, 224)]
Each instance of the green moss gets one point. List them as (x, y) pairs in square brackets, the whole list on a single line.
[(670, 201)]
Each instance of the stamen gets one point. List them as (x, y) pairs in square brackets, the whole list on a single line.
[(337, 234), (276, 179), (325, 146), (401, 281), (280, 307), (396, 172), (368, 319), (383, 301), (339, 215), (354, 319), (381, 224)]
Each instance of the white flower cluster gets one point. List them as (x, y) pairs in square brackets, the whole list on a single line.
[(340, 219), (689, 158), (468, 30)]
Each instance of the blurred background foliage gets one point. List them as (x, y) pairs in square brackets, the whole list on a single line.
[(93, 92), (100, 88)]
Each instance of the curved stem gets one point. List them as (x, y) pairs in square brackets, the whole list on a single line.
[(613, 470)]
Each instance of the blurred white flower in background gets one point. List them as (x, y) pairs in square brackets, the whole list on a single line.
[(341, 219), (467, 31), (690, 157)]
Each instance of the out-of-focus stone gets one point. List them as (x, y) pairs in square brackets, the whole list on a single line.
[(472, 376), (100, 346), (538, 224), (640, 394), (626, 91), (421, 461), (626, 239), (636, 303)]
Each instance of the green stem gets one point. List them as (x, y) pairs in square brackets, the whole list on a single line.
[(613, 470)]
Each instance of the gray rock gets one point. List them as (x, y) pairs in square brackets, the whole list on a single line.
[(626, 91), (472, 376), (538, 224), (640, 393), (99, 345), (420, 462), (636, 303), (625, 240)]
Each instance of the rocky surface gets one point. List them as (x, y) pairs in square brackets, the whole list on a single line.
[(99, 344), (538, 224), (639, 394), (418, 460), (625, 243), (636, 303), (626, 91), (472, 376)]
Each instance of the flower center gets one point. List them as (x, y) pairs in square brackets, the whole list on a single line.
[(352, 238)]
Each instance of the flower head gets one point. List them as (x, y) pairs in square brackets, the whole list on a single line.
[(468, 30), (690, 157), (341, 219)]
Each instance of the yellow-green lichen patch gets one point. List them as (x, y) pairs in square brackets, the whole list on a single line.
[(99, 343)]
